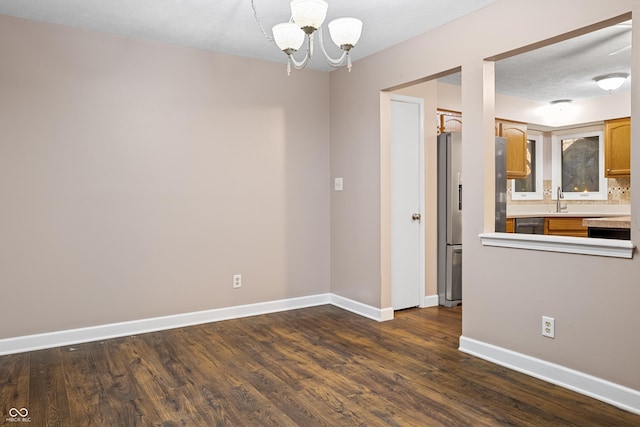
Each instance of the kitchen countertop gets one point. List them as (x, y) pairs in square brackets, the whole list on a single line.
[(562, 214), (610, 222), (531, 210)]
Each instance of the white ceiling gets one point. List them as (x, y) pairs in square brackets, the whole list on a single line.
[(564, 70), (229, 26)]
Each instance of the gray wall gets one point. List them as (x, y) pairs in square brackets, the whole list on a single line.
[(137, 177)]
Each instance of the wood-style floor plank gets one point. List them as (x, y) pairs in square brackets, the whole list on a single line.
[(48, 394), (14, 383), (88, 377), (319, 366)]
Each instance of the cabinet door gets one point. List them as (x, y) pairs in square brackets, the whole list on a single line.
[(449, 121), (516, 136), (510, 225), (617, 148), (571, 226)]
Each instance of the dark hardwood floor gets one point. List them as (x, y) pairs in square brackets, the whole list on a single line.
[(319, 366)]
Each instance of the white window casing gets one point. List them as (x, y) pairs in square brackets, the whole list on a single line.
[(556, 156)]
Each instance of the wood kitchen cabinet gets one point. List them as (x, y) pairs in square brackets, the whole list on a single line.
[(510, 227), (565, 226), (449, 121), (516, 135), (617, 148), (514, 132)]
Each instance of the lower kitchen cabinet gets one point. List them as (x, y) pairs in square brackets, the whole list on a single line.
[(510, 225), (565, 226)]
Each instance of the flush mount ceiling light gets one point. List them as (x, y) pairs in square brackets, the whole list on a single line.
[(560, 104), (611, 82), (307, 17)]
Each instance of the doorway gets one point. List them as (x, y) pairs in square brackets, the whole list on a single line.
[(407, 202)]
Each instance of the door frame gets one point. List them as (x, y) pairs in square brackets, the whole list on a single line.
[(421, 195)]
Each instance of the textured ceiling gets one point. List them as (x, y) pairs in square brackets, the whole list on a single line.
[(229, 26), (564, 70)]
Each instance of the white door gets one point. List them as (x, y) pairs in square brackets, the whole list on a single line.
[(407, 231)]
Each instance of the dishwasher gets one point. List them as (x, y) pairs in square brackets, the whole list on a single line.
[(529, 225)]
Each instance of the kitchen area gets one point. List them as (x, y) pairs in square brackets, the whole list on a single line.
[(564, 112), (566, 149), (560, 181), (565, 181), (606, 221), (594, 223), (561, 210)]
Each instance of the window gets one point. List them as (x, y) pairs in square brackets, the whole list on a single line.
[(530, 188), (578, 166)]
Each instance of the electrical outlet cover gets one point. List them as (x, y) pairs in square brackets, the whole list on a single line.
[(237, 280), (548, 327)]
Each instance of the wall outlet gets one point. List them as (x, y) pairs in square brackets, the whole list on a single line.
[(237, 281), (548, 327), (338, 184)]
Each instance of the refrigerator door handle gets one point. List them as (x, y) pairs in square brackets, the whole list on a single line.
[(459, 191)]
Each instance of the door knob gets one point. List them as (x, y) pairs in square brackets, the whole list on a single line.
[(416, 217)]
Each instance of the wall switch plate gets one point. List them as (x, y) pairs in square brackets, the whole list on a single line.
[(337, 184), (548, 327), (237, 281)]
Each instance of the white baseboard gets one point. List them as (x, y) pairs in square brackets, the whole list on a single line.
[(606, 391), (430, 301), (379, 314), (122, 329), (114, 330)]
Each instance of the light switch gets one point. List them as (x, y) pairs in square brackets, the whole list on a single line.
[(337, 184)]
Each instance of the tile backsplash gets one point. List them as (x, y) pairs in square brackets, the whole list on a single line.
[(619, 194)]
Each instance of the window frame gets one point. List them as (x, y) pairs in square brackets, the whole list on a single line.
[(556, 160), (539, 156)]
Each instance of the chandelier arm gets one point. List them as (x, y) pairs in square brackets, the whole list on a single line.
[(299, 65), (334, 62), (255, 15)]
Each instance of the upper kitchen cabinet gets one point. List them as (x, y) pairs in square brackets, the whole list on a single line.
[(617, 148), (449, 121), (516, 135), (514, 132)]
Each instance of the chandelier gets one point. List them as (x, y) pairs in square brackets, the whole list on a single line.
[(307, 17)]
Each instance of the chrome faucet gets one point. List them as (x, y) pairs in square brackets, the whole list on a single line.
[(559, 196)]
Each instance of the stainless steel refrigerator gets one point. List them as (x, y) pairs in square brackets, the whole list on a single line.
[(450, 219), (450, 212), (501, 185)]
